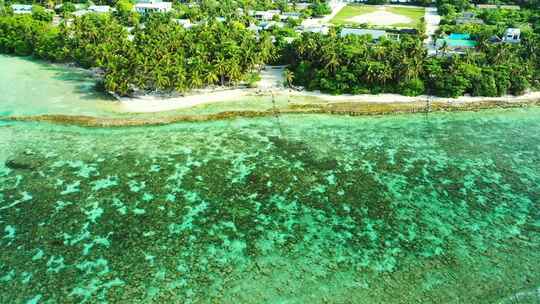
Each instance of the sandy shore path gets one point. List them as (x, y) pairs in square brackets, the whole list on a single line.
[(271, 84), (151, 104)]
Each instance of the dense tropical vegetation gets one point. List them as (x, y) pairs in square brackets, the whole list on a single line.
[(351, 64), (493, 68), (159, 54), (166, 56), (354, 64), (162, 55)]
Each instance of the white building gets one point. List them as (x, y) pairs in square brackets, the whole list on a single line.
[(286, 16), (153, 6), (375, 34), (267, 25), (186, 23), (302, 5), (100, 9), (78, 6), (80, 13), (266, 15), (512, 35), (21, 9), (320, 29)]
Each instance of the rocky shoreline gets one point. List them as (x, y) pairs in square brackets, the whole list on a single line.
[(333, 108)]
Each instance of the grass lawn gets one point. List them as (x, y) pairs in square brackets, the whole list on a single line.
[(353, 10), (415, 13)]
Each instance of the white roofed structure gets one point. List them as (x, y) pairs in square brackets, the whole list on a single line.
[(153, 6), (100, 9), (21, 9), (512, 35), (375, 34)]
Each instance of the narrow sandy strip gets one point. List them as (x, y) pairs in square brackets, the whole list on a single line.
[(396, 98), (151, 104)]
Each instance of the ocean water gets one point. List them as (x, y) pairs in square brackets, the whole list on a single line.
[(31, 87), (438, 208)]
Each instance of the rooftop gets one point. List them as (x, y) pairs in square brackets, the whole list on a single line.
[(456, 43), (375, 34), (21, 8), (459, 36), (512, 31), (495, 6), (99, 8)]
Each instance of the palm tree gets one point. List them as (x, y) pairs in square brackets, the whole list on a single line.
[(196, 79), (289, 77), (445, 48), (233, 70), (221, 68), (211, 76), (161, 81), (180, 83)]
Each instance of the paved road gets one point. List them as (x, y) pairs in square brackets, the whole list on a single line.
[(335, 5), (433, 20)]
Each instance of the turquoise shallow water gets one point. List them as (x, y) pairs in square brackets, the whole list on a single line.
[(31, 87), (399, 209)]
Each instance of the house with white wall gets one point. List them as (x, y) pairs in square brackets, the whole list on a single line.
[(20, 9), (153, 6), (100, 9)]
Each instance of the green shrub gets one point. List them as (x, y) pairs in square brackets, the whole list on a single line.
[(413, 87)]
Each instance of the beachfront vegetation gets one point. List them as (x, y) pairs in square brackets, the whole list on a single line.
[(493, 68), (496, 70), (355, 65), (163, 55), (339, 65)]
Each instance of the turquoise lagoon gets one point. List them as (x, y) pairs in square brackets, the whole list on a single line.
[(30, 87), (438, 208)]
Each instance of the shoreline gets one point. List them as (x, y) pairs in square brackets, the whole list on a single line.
[(154, 104), (330, 108), (271, 84)]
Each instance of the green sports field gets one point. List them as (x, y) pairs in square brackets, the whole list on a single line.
[(351, 12)]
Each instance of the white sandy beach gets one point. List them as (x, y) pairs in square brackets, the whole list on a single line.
[(271, 84), (149, 104)]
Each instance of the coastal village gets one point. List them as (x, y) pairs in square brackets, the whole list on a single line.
[(445, 30), (376, 24), (270, 151)]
